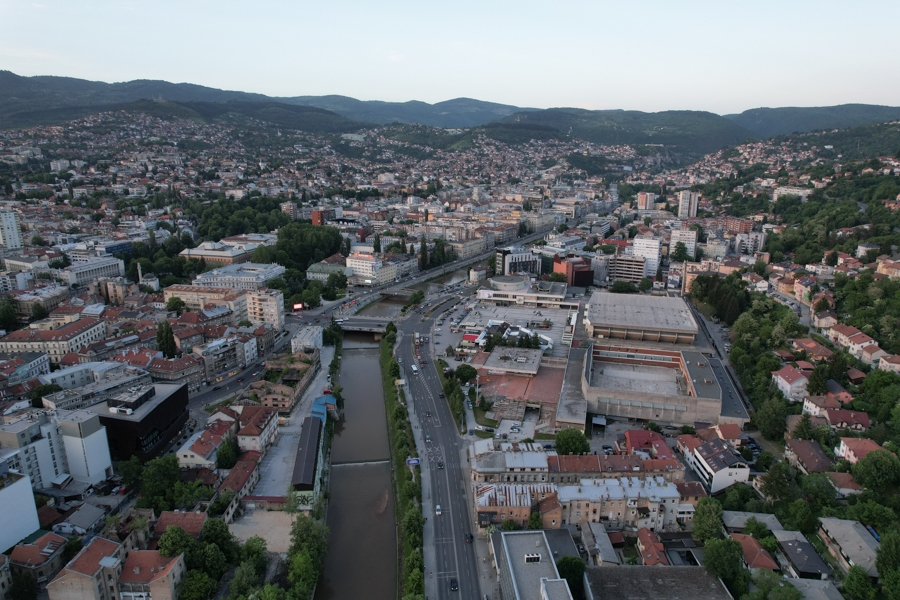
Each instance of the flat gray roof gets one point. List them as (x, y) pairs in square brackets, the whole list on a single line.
[(702, 375), (163, 391), (514, 360), (527, 576), (638, 311), (671, 583)]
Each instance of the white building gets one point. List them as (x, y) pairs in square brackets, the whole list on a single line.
[(748, 243), (33, 446), (517, 260), (86, 446), (718, 465), (307, 338), (266, 306), (15, 491), (646, 200), (243, 276), (84, 273), (688, 237), (366, 267), (649, 248), (10, 229), (687, 204)]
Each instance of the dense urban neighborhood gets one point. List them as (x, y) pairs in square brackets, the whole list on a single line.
[(239, 360)]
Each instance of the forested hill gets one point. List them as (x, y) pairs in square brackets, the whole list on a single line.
[(692, 132), (767, 122)]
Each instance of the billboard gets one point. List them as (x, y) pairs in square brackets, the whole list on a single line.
[(298, 306)]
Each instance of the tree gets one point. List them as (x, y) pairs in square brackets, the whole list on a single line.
[(38, 312), (817, 487), (623, 287), (680, 254), (571, 568), (23, 587), (175, 304), (707, 520), (465, 373), (557, 277), (376, 245), (837, 368), (801, 516), (131, 471), (818, 381), (770, 419), (776, 484), (571, 441), (887, 557), (37, 240), (821, 305), (508, 525), (73, 547), (213, 561), (394, 369), (534, 521), (890, 585), (165, 338), (858, 584), (8, 318), (492, 262), (724, 559), (227, 455), (804, 429), (215, 531), (772, 586), (877, 470), (196, 585), (175, 541), (645, 284), (831, 259), (244, 581), (41, 391), (423, 255), (413, 523)]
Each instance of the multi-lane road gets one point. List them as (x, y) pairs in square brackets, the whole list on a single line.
[(447, 555)]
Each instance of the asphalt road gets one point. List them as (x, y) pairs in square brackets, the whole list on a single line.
[(448, 556)]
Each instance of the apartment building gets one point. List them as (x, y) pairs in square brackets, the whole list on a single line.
[(19, 368), (15, 525), (48, 297), (688, 237), (10, 229), (92, 575), (626, 502), (687, 204), (86, 446), (366, 268), (649, 248), (718, 465), (266, 306), (197, 298), (514, 260), (56, 343), (222, 358), (33, 446), (41, 559), (290, 209), (244, 276)]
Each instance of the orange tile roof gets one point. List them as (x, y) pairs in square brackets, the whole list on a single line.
[(754, 554), (144, 566), (34, 554), (88, 560), (191, 522)]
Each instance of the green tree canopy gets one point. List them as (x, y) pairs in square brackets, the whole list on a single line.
[(196, 585), (465, 373), (571, 441), (572, 568), (877, 470), (724, 559), (707, 520)]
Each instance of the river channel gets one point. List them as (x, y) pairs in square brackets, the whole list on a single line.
[(362, 547)]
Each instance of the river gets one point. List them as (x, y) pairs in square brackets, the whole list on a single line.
[(362, 547)]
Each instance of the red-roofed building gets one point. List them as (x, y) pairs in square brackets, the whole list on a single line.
[(92, 575), (816, 406), (191, 522), (855, 449), (641, 440), (847, 419), (56, 343), (791, 382), (148, 574), (257, 425), (651, 549), (41, 559), (755, 556), (241, 480), (844, 484)]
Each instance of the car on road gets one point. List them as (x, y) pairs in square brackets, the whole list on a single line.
[(454, 586), (399, 360), (469, 538), (437, 510), (440, 464), (218, 387), (440, 394), (427, 439), (240, 379)]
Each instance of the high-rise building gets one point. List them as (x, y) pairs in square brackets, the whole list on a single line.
[(686, 236), (10, 229), (646, 200), (687, 204), (290, 209), (649, 248)]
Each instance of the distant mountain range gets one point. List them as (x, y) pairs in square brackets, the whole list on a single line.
[(29, 101)]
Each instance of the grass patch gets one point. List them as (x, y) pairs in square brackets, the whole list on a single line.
[(481, 419), (705, 309), (822, 341), (212, 407), (483, 434)]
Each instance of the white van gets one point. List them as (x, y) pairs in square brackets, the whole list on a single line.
[(415, 370)]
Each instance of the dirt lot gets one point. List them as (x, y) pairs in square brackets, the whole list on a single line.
[(272, 526)]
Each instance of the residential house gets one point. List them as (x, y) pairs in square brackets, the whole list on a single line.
[(84, 520), (807, 456), (5, 577), (838, 392), (257, 425), (92, 575), (689, 494), (847, 419), (791, 422), (755, 556), (791, 382), (814, 350), (816, 406), (191, 522), (150, 575), (850, 543), (735, 521), (652, 551), (241, 480), (799, 557), (825, 319), (844, 484), (890, 362), (855, 449), (718, 465)]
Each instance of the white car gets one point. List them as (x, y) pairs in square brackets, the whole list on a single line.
[(437, 510)]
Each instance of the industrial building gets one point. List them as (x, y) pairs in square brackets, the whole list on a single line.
[(512, 290), (639, 317)]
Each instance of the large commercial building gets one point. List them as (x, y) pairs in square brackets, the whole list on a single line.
[(687, 204), (514, 260), (245, 276), (10, 229), (197, 298), (102, 381), (215, 253), (85, 273), (141, 422), (86, 446), (639, 317), (515, 290)]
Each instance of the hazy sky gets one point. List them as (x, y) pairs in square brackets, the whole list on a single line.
[(723, 56)]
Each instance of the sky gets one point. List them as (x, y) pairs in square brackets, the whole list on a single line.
[(722, 56)]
